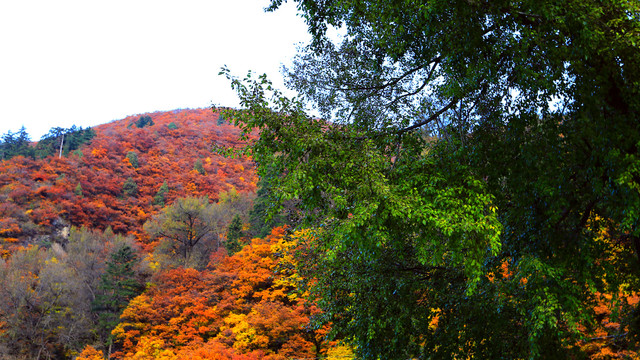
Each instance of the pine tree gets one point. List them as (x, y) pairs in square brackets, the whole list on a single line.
[(234, 234), (118, 285), (78, 190), (15, 144), (133, 159), (130, 188), (161, 195)]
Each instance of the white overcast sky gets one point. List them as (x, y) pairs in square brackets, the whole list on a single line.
[(88, 62)]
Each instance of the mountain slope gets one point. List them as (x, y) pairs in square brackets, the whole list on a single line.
[(113, 180)]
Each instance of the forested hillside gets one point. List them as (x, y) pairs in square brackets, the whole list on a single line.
[(119, 178), (140, 218), (470, 190)]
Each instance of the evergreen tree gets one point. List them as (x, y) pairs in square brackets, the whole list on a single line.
[(130, 188), (118, 285), (16, 144), (172, 126), (143, 121), (133, 159), (234, 234), (70, 139), (161, 195), (261, 219), (78, 190)]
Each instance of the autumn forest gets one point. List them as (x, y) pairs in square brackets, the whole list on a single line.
[(453, 180)]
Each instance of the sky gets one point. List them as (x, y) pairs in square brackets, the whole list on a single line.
[(87, 62)]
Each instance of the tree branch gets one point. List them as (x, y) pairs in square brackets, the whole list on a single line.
[(430, 118)]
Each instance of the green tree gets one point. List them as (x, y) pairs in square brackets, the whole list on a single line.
[(118, 285), (63, 139), (172, 126), (460, 137), (198, 167), (144, 120), (78, 190), (161, 196), (261, 218), (133, 159), (234, 234), (185, 223), (16, 144), (129, 187)]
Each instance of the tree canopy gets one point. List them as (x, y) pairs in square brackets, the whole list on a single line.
[(474, 184)]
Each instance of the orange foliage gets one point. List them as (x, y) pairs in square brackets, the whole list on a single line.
[(243, 308), (90, 353), (43, 193)]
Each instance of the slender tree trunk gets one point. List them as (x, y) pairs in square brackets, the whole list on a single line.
[(61, 143)]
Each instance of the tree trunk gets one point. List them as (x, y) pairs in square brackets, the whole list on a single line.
[(61, 143)]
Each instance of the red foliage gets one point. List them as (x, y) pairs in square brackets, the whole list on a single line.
[(241, 309), (45, 191)]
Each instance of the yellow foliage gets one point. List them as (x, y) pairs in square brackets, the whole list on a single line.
[(246, 338), (340, 352), (152, 349)]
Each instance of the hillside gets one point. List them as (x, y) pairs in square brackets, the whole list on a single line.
[(113, 180)]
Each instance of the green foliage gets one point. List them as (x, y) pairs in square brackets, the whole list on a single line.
[(234, 234), (144, 120), (185, 223), (133, 159), (198, 167), (129, 187), (78, 190), (261, 217), (71, 140), (220, 120), (16, 144), (118, 285), (172, 126), (160, 197), (459, 138), (190, 229)]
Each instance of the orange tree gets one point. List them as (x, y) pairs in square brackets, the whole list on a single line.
[(247, 306)]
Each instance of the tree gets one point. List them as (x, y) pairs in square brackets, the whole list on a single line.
[(129, 187), (198, 167), (144, 120), (234, 233), (59, 141), (44, 312), (460, 138), (118, 285), (78, 190), (185, 223), (133, 159), (16, 144), (161, 195), (260, 217)]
